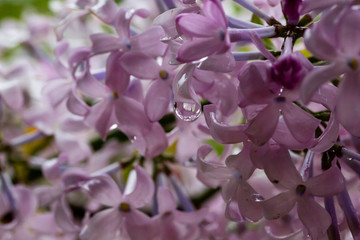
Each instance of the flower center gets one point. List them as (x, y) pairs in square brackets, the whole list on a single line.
[(124, 207), (163, 74), (352, 63), (115, 95), (300, 190), (8, 217)]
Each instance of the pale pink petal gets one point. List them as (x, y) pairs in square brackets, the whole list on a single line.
[(103, 43), (191, 217), (347, 109), (27, 201), (301, 124), (63, 217), (12, 94), (105, 10), (221, 132), (140, 226), (317, 77), (219, 63), (148, 42), (104, 190), (104, 225), (140, 65), (153, 142), (64, 23), (242, 162), (166, 200), (211, 173), (227, 95), (279, 205), (204, 26), (329, 183), (92, 87), (99, 117), (315, 218), (143, 191), (76, 105), (56, 91), (157, 100), (262, 127), (131, 116), (326, 95), (123, 20)]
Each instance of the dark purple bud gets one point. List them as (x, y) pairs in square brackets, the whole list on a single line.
[(291, 10), (287, 71)]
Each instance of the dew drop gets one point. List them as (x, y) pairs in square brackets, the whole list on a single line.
[(187, 111), (256, 197)]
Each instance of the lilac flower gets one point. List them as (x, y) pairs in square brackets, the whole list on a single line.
[(209, 34), (282, 172)]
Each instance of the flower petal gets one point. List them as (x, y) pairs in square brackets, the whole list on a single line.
[(262, 127), (140, 65), (157, 100), (315, 218), (143, 191), (249, 202), (328, 183), (104, 190), (195, 25), (104, 225), (301, 124), (166, 200), (279, 205), (347, 109)]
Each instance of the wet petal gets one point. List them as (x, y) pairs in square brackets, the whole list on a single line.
[(249, 202)]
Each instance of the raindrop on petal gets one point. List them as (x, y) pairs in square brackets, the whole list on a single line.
[(187, 111)]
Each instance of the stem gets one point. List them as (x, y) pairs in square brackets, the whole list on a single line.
[(183, 198), (252, 8), (243, 34), (307, 167), (350, 213), (237, 23), (26, 138), (245, 56), (333, 230), (350, 154), (288, 46)]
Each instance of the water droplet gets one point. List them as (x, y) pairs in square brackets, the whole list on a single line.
[(350, 159), (187, 111), (257, 197)]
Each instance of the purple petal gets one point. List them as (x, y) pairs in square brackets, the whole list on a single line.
[(166, 200), (219, 63), (301, 124), (104, 190), (104, 225), (123, 20), (157, 100), (198, 48), (12, 94), (143, 191), (317, 77), (76, 105), (100, 117), (204, 26), (213, 9), (117, 79), (262, 127), (279, 205), (103, 43), (140, 65), (280, 169), (328, 183), (149, 43), (63, 217), (315, 218), (249, 202), (220, 132), (347, 108)]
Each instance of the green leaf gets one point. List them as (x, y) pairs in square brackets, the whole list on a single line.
[(217, 147)]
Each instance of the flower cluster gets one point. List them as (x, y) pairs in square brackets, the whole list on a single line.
[(184, 119)]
